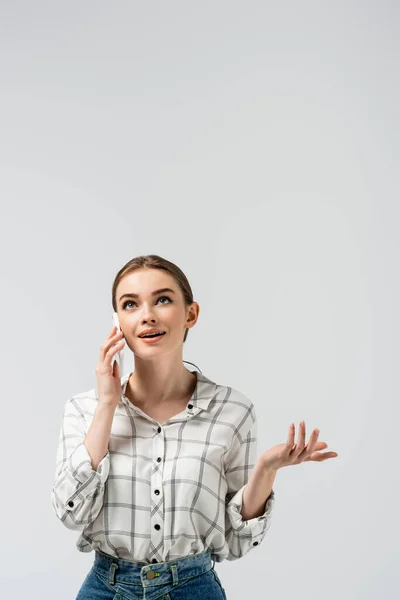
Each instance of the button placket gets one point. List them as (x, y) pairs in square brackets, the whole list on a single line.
[(157, 480)]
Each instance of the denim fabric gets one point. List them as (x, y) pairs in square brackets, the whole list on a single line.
[(187, 578)]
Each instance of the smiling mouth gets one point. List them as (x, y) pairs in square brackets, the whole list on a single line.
[(151, 336)]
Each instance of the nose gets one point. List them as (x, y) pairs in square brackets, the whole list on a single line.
[(148, 316)]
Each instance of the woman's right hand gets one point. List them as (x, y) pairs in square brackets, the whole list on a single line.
[(108, 376)]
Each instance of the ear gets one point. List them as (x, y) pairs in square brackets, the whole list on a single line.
[(192, 315)]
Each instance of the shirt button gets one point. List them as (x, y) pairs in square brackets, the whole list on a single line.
[(190, 405), (255, 543), (70, 503), (157, 526), (159, 459), (153, 560), (159, 429), (157, 492)]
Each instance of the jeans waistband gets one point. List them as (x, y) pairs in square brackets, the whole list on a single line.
[(117, 570)]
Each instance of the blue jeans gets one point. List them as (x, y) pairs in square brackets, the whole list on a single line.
[(187, 578)]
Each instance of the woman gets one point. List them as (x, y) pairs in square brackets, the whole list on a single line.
[(152, 467)]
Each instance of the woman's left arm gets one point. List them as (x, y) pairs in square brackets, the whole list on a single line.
[(257, 491), (261, 480)]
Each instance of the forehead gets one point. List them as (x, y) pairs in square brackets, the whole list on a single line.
[(145, 281)]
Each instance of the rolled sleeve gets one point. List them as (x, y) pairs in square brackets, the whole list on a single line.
[(243, 535), (254, 529), (80, 465), (78, 490)]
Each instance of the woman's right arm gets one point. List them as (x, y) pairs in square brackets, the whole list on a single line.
[(83, 460), (98, 435), (82, 466)]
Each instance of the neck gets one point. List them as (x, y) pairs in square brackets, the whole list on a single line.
[(155, 382)]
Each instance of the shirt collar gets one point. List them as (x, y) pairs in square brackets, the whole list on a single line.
[(204, 391)]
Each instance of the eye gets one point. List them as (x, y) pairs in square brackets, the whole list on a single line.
[(132, 301)]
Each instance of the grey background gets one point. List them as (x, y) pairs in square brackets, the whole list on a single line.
[(255, 144)]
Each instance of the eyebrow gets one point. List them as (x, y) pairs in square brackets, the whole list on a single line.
[(152, 293)]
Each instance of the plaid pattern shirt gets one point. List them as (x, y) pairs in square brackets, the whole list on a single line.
[(162, 492)]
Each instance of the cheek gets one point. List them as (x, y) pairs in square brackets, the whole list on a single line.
[(173, 317)]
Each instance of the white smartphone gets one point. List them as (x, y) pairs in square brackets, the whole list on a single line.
[(118, 356)]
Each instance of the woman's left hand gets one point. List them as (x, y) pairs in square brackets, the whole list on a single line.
[(284, 455)]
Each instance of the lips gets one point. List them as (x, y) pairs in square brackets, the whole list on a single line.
[(151, 330), (151, 335), (152, 340)]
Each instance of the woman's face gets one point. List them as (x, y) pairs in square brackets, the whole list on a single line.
[(164, 310)]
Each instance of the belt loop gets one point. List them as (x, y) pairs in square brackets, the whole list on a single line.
[(174, 575), (113, 568)]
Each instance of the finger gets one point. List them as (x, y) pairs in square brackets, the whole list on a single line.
[(312, 443), (320, 445), (302, 436), (320, 456), (290, 439), (114, 332), (110, 345), (301, 442), (115, 348)]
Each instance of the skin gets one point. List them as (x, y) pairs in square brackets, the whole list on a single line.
[(159, 374), (289, 453)]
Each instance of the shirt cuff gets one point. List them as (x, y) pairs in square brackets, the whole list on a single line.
[(80, 469), (255, 527)]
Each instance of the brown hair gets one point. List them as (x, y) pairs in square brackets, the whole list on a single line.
[(153, 261)]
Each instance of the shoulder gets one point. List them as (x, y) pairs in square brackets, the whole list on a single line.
[(227, 403), (236, 397), (237, 410), (82, 403)]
